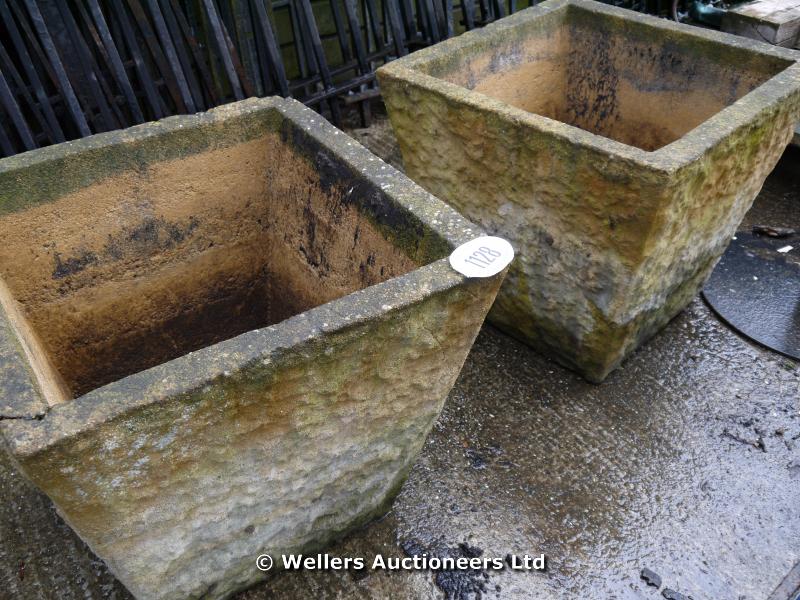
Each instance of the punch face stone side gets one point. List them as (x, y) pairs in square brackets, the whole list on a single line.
[(616, 151), (223, 335)]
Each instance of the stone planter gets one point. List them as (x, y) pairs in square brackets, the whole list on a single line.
[(223, 335), (616, 151)]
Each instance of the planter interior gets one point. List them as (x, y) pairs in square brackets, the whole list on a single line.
[(144, 267), (621, 80)]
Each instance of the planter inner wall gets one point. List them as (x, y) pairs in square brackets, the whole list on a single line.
[(152, 263), (619, 79)]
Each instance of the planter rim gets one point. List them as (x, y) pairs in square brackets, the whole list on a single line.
[(669, 158), (34, 426)]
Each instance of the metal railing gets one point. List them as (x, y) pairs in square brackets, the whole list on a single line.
[(70, 68)]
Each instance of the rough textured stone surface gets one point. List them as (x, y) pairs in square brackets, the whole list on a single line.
[(616, 151), (273, 440)]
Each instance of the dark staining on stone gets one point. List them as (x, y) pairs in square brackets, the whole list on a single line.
[(472, 80), (75, 264), (668, 60), (313, 252), (592, 89), (358, 574), (507, 58), (364, 266), (650, 577), (333, 173), (394, 221), (671, 594), (756, 441), (412, 547), (37, 417), (151, 236), (476, 460), (470, 551), (480, 459), (314, 247), (461, 584)]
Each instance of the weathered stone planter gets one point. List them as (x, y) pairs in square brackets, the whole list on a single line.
[(146, 387), (617, 151)]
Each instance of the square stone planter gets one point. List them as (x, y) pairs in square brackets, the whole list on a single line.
[(223, 335), (616, 151)]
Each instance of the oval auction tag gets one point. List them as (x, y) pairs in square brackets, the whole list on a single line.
[(482, 257)]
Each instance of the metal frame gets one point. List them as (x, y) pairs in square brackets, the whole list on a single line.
[(71, 68)]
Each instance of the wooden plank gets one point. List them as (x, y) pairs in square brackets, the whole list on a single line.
[(217, 29), (65, 87), (773, 21), (154, 99), (108, 89), (468, 8), (7, 66), (197, 53), (171, 55), (6, 146), (248, 47), (373, 17), (162, 64), (341, 31), (115, 61), (183, 56), (12, 108), (54, 127), (88, 66), (244, 80), (304, 7), (396, 26), (273, 51), (351, 10)]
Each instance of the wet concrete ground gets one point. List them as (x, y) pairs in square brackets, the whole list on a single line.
[(685, 461)]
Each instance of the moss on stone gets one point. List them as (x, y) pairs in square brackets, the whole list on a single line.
[(614, 236)]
